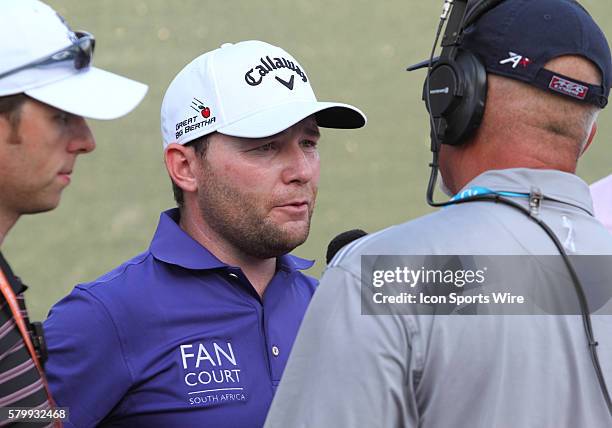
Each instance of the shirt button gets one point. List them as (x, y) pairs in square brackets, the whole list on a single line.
[(275, 351), (233, 275)]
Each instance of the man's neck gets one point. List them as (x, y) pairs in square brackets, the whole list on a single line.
[(7, 221), (258, 271), (489, 154)]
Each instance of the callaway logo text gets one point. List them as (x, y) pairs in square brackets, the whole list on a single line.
[(256, 74)]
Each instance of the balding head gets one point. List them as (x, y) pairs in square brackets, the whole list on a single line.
[(526, 127)]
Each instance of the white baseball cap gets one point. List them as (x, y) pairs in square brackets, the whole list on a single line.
[(249, 89), (36, 47)]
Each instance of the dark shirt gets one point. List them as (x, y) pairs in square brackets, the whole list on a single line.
[(20, 382)]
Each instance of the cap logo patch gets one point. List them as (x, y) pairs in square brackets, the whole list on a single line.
[(199, 107), (567, 87), (289, 84), (516, 60), (255, 75), (200, 120)]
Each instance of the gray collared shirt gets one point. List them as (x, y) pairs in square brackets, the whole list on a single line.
[(353, 370)]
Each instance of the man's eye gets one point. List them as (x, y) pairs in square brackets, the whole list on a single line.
[(62, 117), (309, 144), (266, 147)]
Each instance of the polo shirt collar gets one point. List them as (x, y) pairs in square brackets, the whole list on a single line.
[(173, 245), (559, 185), (292, 263)]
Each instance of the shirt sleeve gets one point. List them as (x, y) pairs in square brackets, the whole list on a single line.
[(346, 369), (86, 369)]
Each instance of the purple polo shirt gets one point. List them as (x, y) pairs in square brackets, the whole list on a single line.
[(174, 338)]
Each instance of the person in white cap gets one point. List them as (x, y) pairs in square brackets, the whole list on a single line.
[(196, 331), (47, 87)]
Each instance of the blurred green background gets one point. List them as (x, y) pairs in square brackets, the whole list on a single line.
[(354, 51)]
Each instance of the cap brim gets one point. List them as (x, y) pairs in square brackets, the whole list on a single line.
[(277, 119), (95, 94)]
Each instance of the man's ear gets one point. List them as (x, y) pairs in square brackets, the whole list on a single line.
[(591, 137), (181, 163)]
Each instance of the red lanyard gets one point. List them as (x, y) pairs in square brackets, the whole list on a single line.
[(10, 297)]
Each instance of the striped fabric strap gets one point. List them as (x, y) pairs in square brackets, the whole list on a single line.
[(11, 299)]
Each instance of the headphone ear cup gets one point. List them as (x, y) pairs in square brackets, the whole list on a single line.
[(457, 94)]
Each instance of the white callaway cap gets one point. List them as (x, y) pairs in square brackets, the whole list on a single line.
[(249, 89), (30, 31)]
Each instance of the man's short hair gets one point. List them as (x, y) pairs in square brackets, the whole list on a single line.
[(10, 106), (200, 145)]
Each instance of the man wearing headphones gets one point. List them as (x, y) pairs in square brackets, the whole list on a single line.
[(548, 73), (47, 88)]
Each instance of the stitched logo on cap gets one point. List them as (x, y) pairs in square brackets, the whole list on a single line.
[(257, 74), (516, 60), (198, 106), (288, 85), (568, 87), (200, 120)]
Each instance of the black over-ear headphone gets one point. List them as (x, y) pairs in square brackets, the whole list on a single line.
[(456, 85)]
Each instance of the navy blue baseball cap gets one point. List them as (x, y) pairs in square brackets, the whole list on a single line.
[(518, 37)]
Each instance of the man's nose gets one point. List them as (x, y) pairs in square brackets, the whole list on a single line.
[(300, 164), (81, 138)]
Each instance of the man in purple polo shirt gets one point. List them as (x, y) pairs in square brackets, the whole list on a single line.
[(196, 331)]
